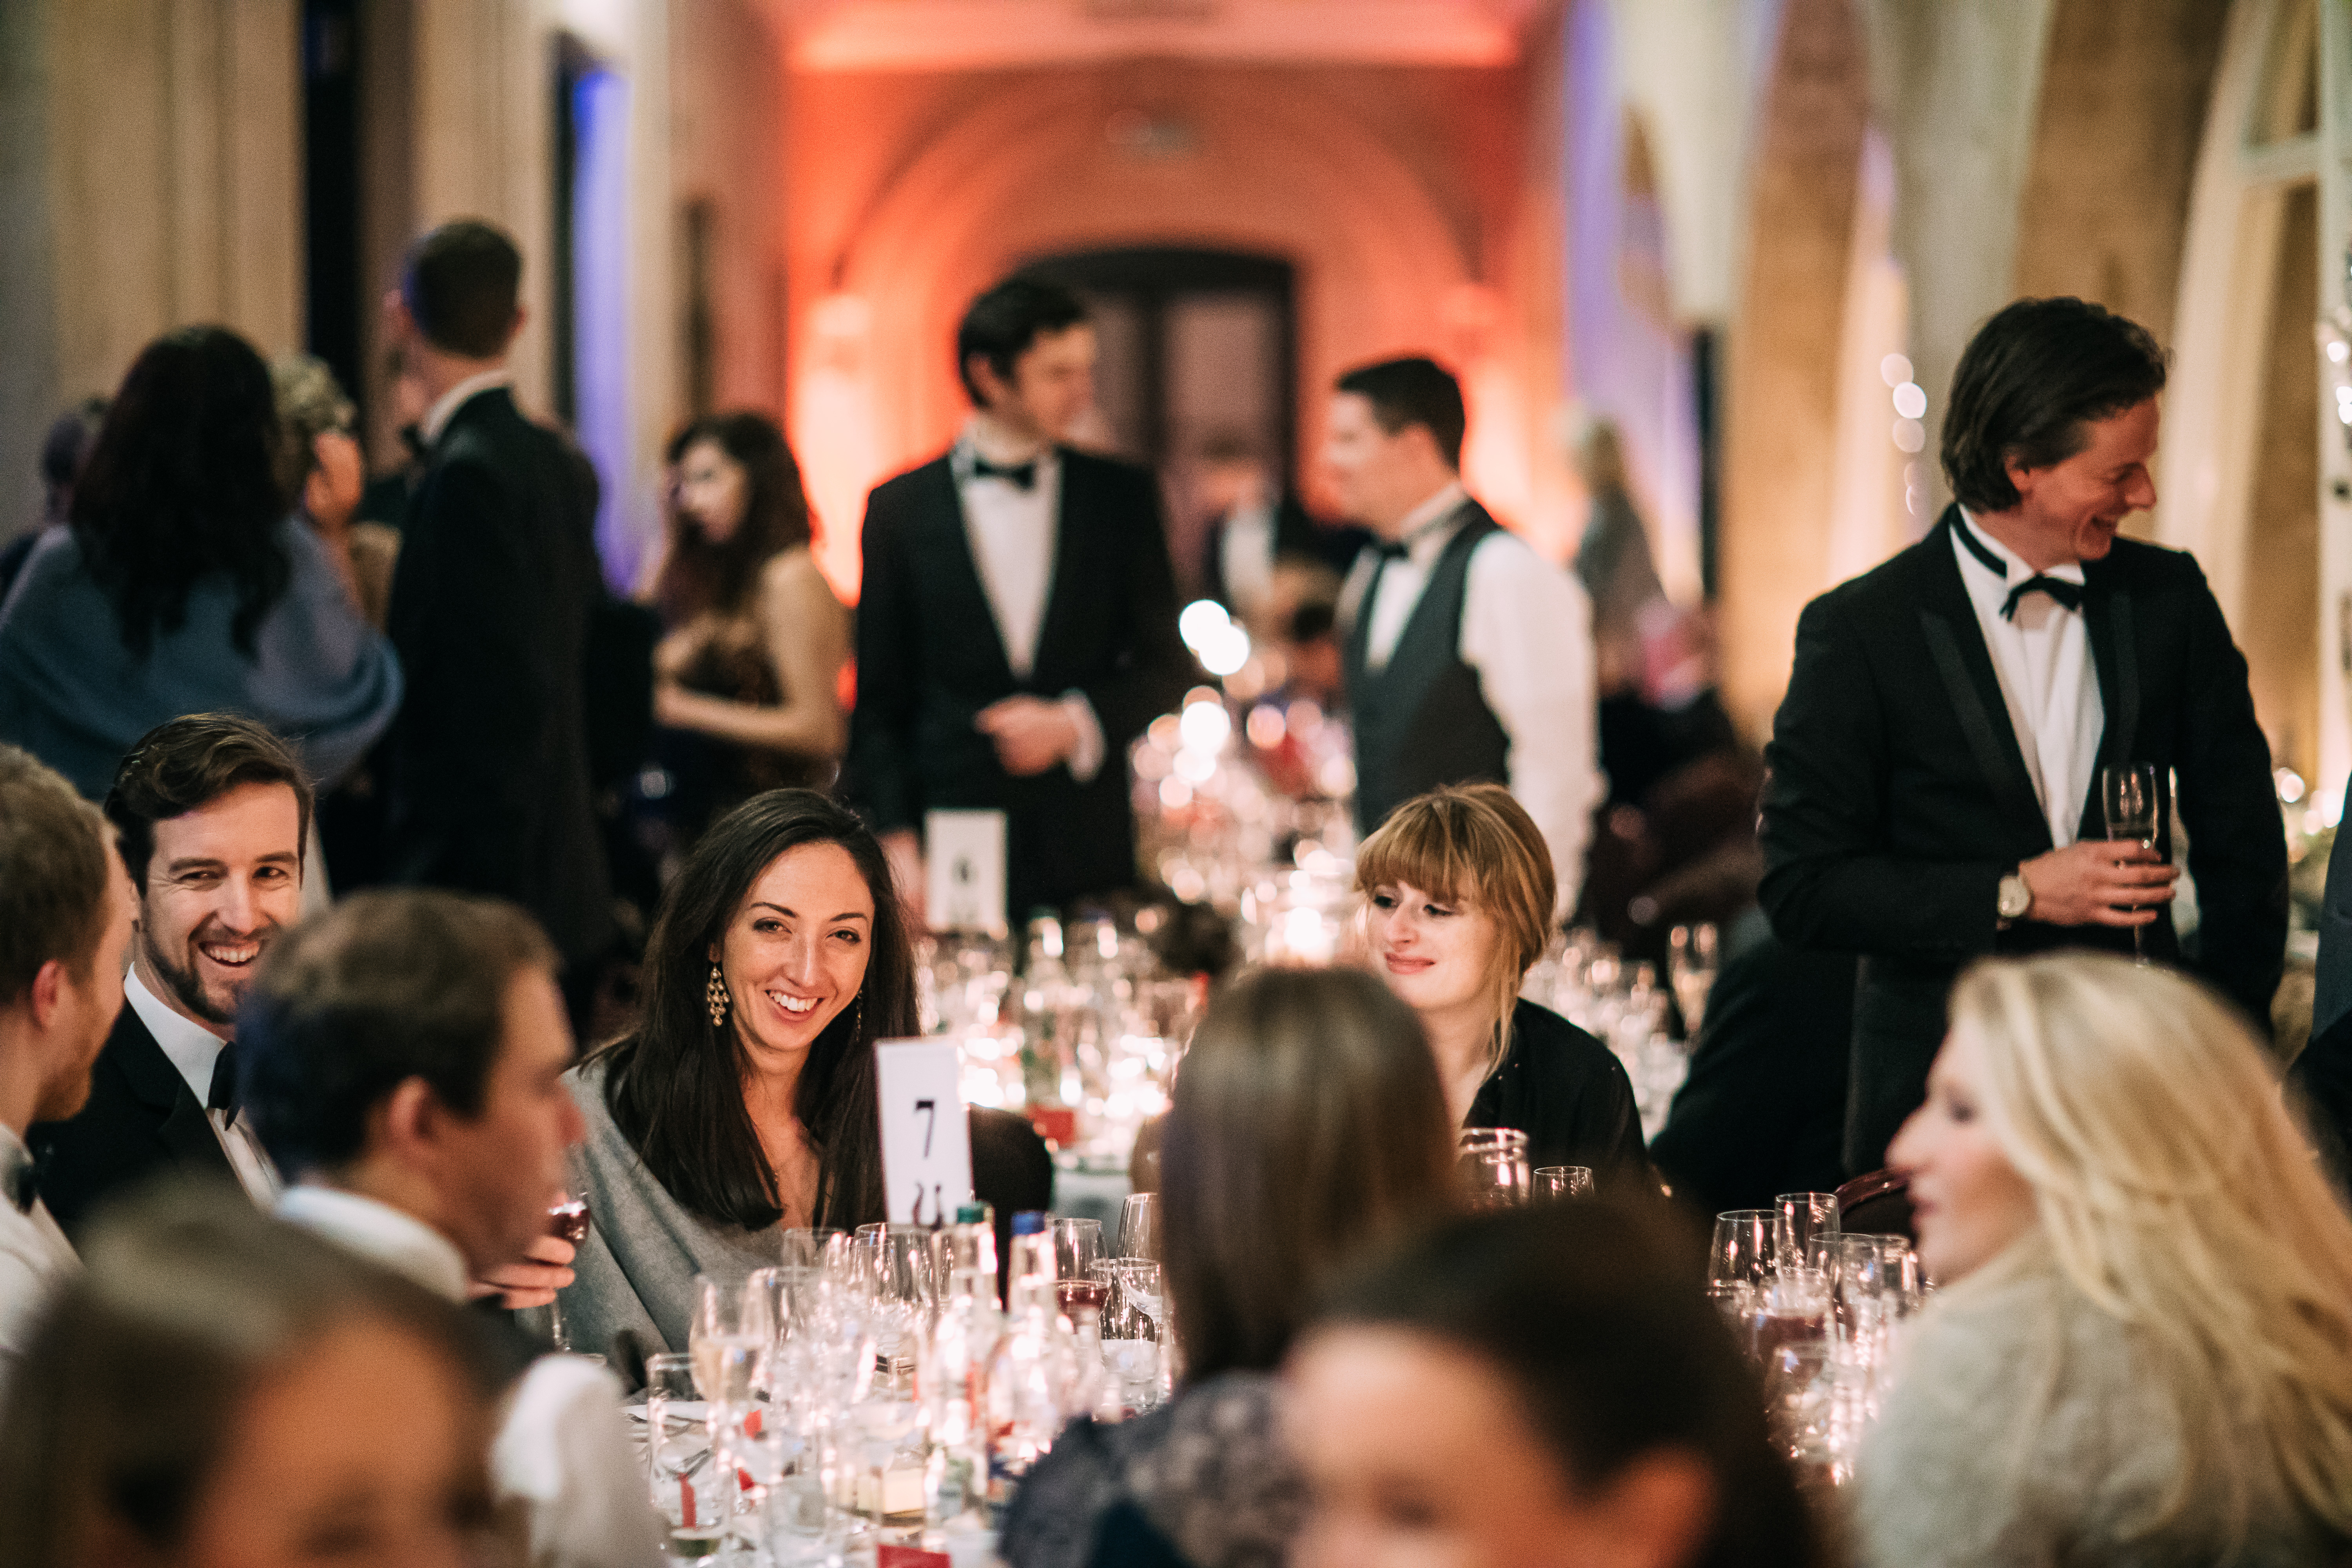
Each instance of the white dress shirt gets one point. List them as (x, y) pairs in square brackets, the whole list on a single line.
[(444, 408), (561, 1446), (1527, 629), (192, 1048), (35, 1259), (1245, 557), (2044, 660), (1013, 534)]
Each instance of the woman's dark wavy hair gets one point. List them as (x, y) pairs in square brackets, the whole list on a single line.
[(675, 1087), (1597, 1318), (699, 576), (186, 478)]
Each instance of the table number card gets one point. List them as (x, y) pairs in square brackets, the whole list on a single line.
[(926, 1137), (964, 853)]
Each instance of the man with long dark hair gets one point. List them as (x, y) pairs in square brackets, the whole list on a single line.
[(1017, 627), (1935, 765), (487, 767)]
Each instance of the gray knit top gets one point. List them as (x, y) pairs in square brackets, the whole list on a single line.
[(637, 1267), (2023, 1431)]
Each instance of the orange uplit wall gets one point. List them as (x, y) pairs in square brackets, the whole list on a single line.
[(1406, 199)]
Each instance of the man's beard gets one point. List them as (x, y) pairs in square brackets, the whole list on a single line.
[(184, 984)]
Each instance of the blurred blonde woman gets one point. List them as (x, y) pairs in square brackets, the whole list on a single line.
[(2143, 1352), (1458, 887)]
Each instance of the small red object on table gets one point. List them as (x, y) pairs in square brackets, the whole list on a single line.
[(909, 1557)]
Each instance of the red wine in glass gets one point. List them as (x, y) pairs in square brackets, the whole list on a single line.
[(1076, 1293), (569, 1220)]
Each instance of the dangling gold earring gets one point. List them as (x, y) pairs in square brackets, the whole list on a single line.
[(857, 1022), (716, 992)]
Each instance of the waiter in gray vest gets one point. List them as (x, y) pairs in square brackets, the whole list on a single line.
[(1468, 655)]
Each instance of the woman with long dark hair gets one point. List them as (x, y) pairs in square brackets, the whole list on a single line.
[(186, 585), (1308, 1134), (747, 677), (744, 1102)]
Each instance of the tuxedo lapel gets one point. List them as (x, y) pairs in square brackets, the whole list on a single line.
[(963, 585), (181, 1126), (1072, 499), (2115, 653), (1956, 643)]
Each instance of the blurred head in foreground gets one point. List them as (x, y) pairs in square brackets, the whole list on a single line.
[(1307, 1130), (1539, 1387), (219, 1389)]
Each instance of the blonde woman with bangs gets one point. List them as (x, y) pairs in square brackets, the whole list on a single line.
[(1458, 888), (2143, 1352)]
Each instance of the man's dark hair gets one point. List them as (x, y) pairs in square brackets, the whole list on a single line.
[(1002, 324), (185, 478), (1415, 391), (390, 984), (461, 283), (2029, 382), (186, 764), (53, 871)]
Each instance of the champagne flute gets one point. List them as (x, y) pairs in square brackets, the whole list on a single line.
[(2129, 795), (1690, 969), (567, 1217), (1138, 1225)]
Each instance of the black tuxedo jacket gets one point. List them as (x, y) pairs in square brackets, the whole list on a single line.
[(1898, 796), (929, 658), (140, 1121), (1297, 537), (487, 768)]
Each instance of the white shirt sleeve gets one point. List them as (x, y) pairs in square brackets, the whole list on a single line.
[(563, 1450), (1527, 629), (1085, 758)]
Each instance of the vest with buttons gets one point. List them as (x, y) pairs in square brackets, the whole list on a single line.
[(1422, 720)]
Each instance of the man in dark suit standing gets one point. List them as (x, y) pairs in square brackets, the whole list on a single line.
[(487, 766), (211, 812), (1256, 530), (1935, 764), (1016, 629)]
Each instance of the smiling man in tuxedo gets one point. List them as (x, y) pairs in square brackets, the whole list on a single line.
[(211, 811), (1016, 629), (1935, 765)]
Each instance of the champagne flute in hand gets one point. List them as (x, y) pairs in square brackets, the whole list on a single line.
[(567, 1217), (2128, 792)]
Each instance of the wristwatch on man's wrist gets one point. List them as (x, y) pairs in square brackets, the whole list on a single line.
[(2016, 898)]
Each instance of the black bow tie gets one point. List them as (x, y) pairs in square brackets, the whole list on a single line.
[(23, 1182), (1391, 549), (1019, 476), (222, 1095), (2069, 594)]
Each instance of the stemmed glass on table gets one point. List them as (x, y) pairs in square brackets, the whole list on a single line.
[(2128, 792), (1691, 968)]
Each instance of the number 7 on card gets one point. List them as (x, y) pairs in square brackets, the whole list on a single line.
[(926, 1136)]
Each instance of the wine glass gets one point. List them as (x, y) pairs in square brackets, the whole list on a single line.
[(2127, 792), (725, 1321), (1563, 1182), (1077, 1248), (1812, 1219), (1691, 967), (1747, 1248), (1494, 1167), (567, 1217), (1138, 1225)]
